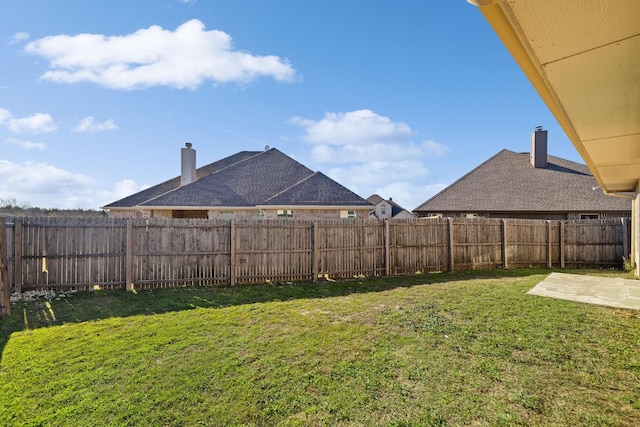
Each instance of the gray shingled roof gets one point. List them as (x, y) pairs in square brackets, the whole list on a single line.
[(167, 186), (374, 199), (507, 182), (247, 179), (317, 189)]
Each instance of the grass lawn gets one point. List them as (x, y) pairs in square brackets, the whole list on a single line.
[(467, 348)]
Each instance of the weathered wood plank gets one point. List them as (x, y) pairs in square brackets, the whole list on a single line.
[(5, 291)]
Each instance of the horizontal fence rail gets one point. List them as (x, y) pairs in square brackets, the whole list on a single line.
[(99, 253)]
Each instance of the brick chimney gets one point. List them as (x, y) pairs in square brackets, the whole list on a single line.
[(538, 155), (188, 168)]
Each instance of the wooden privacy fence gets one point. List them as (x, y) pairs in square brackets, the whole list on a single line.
[(91, 253)]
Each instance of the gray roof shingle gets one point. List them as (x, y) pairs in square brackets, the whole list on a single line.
[(247, 179), (317, 189), (167, 186), (507, 182)]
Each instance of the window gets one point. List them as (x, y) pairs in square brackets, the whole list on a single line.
[(258, 214), (589, 216), (226, 214), (348, 214), (285, 213), (383, 209), (189, 214)]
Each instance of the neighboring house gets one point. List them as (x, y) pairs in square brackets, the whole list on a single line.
[(387, 209), (249, 184), (526, 185)]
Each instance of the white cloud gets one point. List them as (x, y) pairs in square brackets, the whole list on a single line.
[(349, 153), (370, 153), (354, 127), (39, 184), (19, 37), (122, 189), (436, 149), (42, 185), (4, 116), (25, 144), (37, 123), (153, 56), (88, 124), (375, 173), (404, 182)]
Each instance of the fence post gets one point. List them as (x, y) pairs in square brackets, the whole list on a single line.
[(562, 244), (549, 251), (387, 249), (232, 253), (5, 303), (128, 256), (315, 255), (625, 243), (450, 229), (505, 262), (17, 254)]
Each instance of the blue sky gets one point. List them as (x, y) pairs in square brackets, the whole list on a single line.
[(387, 97)]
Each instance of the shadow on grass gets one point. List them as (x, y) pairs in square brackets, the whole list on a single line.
[(96, 305)]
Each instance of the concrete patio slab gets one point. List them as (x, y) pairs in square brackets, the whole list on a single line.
[(611, 292)]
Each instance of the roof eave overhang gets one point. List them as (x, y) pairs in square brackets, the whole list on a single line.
[(500, 15), (496, 12)]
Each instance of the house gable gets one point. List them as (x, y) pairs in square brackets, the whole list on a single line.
[(388, 208)]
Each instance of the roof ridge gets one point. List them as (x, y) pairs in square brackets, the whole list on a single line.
[(292, 186), (232, 164)]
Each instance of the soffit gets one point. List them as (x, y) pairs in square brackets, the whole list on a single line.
[(583, 57)]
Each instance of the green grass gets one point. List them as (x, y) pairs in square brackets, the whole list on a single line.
[(446, 349)]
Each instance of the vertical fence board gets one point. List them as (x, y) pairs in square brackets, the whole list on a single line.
[(505, 235), (316, 258), (17, 251), (5, 292)]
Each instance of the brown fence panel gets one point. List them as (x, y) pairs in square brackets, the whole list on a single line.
[(527, 243), (418, 245), (348, 248), (77, 253), (273, 250), (594, 243), (180, 252), (477, 243)]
